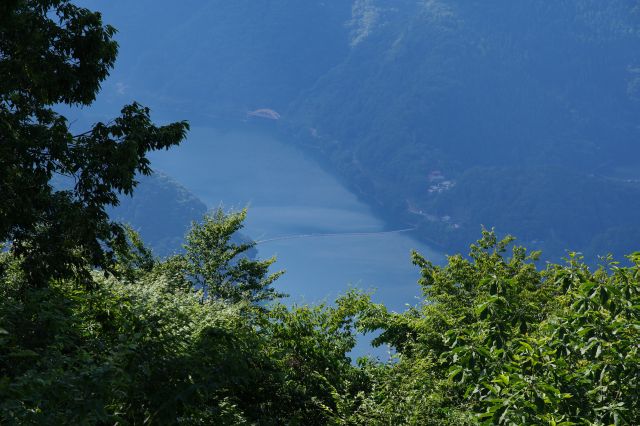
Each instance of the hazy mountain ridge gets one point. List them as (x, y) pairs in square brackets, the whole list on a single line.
[(502, 88), (387, 92), (161, 211), (223, 59)]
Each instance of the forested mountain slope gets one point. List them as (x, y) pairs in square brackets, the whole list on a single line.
[(519, 115), (161, 211), (447, 115), (222, 59)]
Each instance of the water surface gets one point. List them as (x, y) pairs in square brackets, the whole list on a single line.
[(323, 236)]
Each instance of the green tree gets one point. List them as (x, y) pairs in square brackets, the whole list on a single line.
[(145, 348), (53, 52), (499, 341), (216, 263)]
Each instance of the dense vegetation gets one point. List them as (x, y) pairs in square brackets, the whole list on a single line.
[(496, 341), (96, 330)]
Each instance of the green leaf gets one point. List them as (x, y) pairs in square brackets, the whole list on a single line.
[(454, 372), (502, 378)]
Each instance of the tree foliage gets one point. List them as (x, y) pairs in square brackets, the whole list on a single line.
[(511, 344), (200, 338), (221, 266), (496, 341), (144, 348), (51, 53)]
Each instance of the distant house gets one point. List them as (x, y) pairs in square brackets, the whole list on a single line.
[(440, 187)]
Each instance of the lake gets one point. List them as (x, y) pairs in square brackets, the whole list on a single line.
[(323, 236)]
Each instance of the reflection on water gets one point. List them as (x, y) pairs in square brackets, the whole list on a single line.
[(287, 195)]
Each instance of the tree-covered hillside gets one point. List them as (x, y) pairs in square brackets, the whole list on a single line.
[(161, 211), (510, 104), (96, 330), (221, 59), (397, 97)]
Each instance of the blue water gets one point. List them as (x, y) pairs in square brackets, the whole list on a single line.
[(323, 236)]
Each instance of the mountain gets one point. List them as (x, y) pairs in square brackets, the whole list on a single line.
[(443, 114), (519, 115), (222, 59), (161, 210)]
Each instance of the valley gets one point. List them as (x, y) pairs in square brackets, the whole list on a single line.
[(323, 236)]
